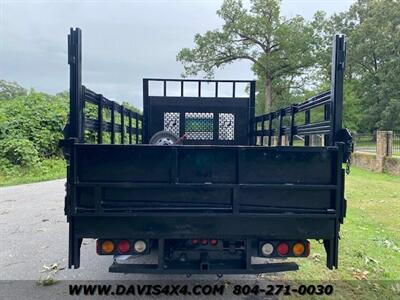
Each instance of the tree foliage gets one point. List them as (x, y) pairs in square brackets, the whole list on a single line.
[(288, 54), (373, 61), (280, 49), (10, 90)]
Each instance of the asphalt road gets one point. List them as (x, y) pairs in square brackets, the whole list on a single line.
[(34, 236)]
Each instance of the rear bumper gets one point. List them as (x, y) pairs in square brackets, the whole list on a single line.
[(248, 227), (226, 268), (268, 226)]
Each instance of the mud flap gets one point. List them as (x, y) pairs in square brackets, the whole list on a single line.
[(74, 247), (332, 250)]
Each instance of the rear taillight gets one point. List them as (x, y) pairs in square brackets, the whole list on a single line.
[(204, 241), (213, 242), (267, 249), (140, 246), (107, 247), (298, 249), (282, 249), (124, 246), (195, 241)]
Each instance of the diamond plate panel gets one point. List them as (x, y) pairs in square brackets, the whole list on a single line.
[(226, 127), (171, 122)]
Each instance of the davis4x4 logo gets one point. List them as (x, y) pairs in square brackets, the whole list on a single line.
[(145, 290), (198, 290)]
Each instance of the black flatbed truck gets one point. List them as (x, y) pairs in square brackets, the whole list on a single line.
[(224, 196)]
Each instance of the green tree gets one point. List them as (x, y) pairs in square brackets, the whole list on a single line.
[(280, 49), (373, 62), (375, 59)]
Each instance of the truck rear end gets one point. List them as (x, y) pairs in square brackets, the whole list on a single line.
[(239, 187)]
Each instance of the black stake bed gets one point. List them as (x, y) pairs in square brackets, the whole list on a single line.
[(240, 180)]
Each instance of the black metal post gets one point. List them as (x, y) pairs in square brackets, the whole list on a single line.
[(182, 87), (307, 120), (262, 129), (252, 107), (122, 124), (113, 122), (137, 128), (215, 127), (146, 113), (292, 124), (82, 115), (270, 118), (199, 89), (100, 119), (76, 118), (337, 75), (327, 114), (281, 114), (130, 127)]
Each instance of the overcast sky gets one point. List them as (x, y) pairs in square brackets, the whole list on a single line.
[(123, 41)]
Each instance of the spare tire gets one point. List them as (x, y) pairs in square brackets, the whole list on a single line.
[(164, 138)]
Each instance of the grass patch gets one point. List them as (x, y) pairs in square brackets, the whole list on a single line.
[(369, 255), (45, 170)]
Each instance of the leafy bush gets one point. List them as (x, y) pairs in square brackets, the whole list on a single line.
[(46, 169), (31, 125), (38, 118), (18, 151)]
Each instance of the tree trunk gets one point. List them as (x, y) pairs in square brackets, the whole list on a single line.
[(267, 94)]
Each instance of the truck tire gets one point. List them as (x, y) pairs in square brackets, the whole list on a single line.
[(164, 138)]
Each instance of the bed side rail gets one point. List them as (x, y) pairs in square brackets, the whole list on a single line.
[(295, 125), (283, 127), (120, 124)]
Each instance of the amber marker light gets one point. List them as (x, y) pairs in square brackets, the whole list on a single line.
[(107, 247), (298, 249)]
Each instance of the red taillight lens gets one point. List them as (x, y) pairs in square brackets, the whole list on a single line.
[(204, 241), (195, 242), (124, 246), (283, 249), (213, 242)]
